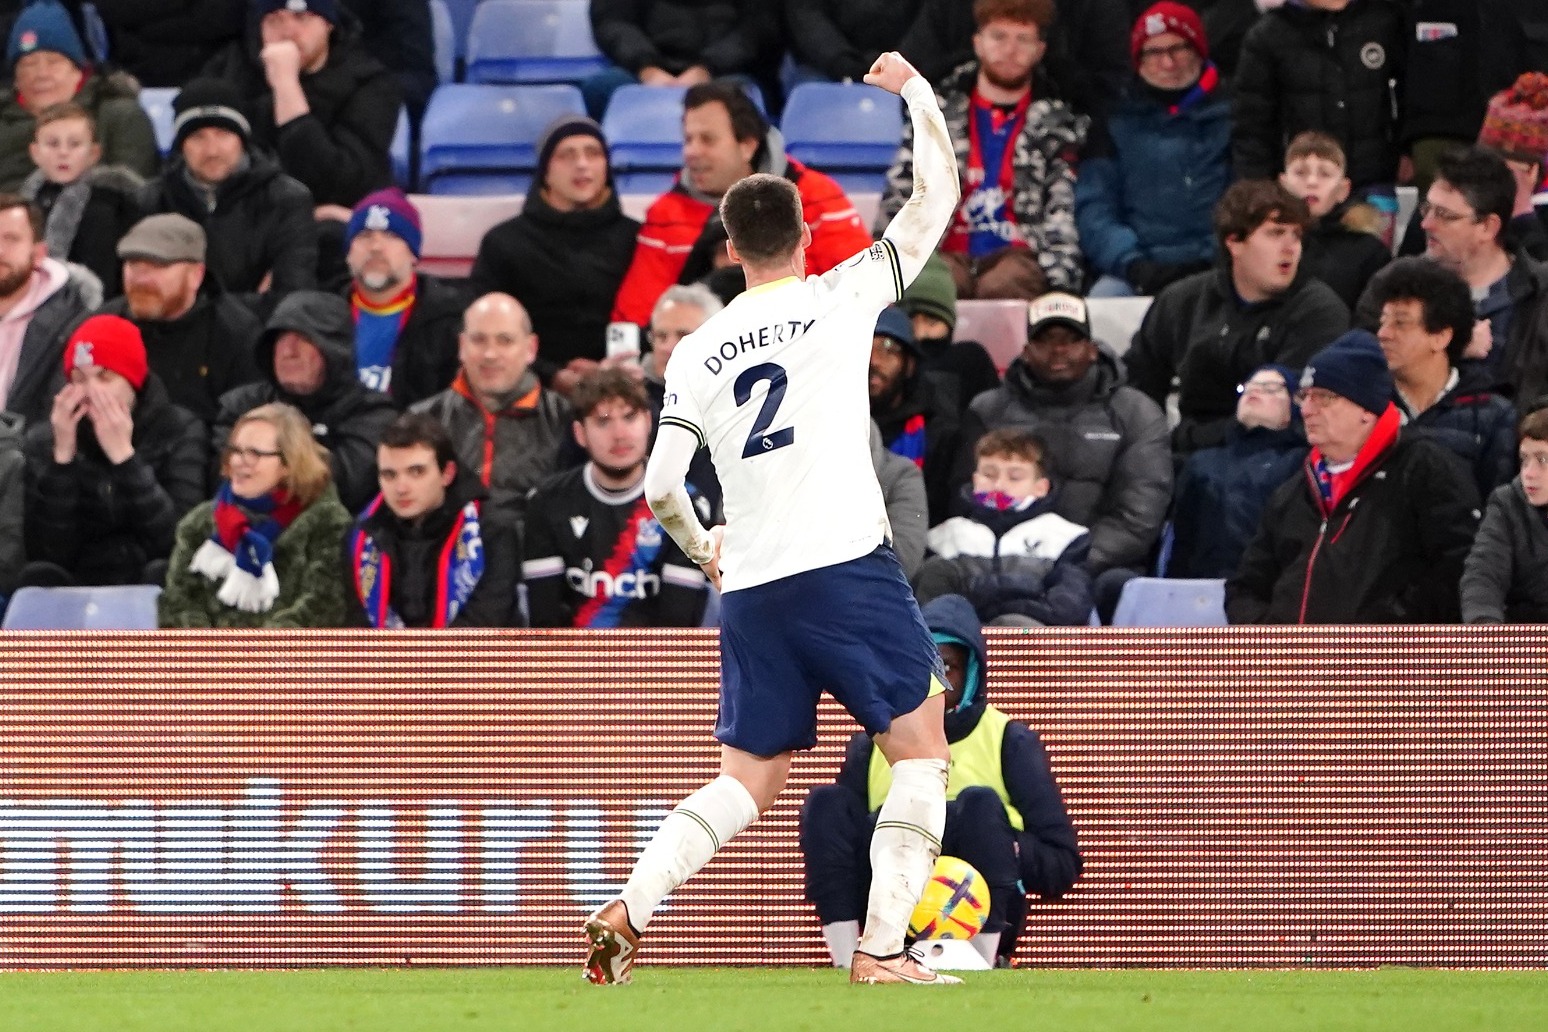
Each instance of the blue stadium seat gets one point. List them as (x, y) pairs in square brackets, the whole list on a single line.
[(461, 12), (843, 127), (1157, 602), (402, 171), (128, 608), (644, 130), (519, 41), (483, 139), (447, 46), (157, 105)]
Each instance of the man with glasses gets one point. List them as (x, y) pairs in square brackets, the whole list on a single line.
[(1376, 528), (1149, 184), (1426, 320), (915, 412), (1464, 215), (1221, 491)]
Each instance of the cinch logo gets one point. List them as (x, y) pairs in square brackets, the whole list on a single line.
[(628, 584), (254, 855)]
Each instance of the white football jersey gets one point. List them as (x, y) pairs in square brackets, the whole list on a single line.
[(775, 386)]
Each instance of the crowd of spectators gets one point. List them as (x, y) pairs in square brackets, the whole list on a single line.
[(246, 319)]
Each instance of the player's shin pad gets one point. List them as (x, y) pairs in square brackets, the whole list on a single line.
[(687, 839), (903, 851)]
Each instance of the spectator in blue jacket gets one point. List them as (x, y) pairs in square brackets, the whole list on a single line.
[(1004, 813), (1221, 491), (1148, 186)]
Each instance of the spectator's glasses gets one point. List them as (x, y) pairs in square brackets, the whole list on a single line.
[(1175, 52), (1426, 209), (1271, 387), (1318, 396), (250, 454), (887, 346)]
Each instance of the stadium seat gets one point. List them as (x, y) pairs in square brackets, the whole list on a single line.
[(530, 41), (461, 12), (1000, 326), (157, 105), (1115, 320), (446, 45), (843, 128), (644, 130), (127, 608), (483, 139), (1155, 602), (402, 169), (455, 226)]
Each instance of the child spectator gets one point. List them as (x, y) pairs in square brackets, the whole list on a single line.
[(1505, 577), (87, 207), (1341, 246), (1015, 559), (1331, 65)]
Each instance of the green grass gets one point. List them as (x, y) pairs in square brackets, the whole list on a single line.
[(686, 1000)]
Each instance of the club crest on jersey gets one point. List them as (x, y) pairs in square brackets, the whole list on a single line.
[(579, 525), (378, 218), (649, 535)]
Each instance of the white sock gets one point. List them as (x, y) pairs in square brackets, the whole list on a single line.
[(987, 944), (903, 851), (686, 840), (842, 937)]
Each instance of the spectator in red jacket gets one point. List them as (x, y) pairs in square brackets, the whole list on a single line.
[(725, 140)]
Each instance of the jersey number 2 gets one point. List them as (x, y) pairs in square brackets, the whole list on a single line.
[(758, 442)]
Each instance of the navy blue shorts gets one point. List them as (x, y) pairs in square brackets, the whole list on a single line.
[(851, 630)]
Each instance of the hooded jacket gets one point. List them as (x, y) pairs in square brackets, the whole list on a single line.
[(347, 417), (339, 149), (415, 551), (678, 218), (1199, 337), (565, 267), (123, 128), (1107, 448), (1049, 852), (262, 224), (1343, 257), (1043, 159), (70, 293), (1505, 576), (84, 225), (105, 522)]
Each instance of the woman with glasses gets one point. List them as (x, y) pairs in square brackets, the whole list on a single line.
[(266, 551)]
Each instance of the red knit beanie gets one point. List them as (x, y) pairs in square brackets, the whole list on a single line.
[(109, 341), (1168, 16), (1516, 123)]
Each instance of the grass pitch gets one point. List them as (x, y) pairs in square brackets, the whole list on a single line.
[(793, 999)]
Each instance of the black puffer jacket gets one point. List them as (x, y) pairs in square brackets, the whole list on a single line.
[(1198, 334), (347, 418), (1108, 449), (262, 223), (565, 267), (725, 36), (1452, 74), (1339, 72), (1475, 425), (1391, 551), (103, 522), (401, 34), (338, 149), (166, 42)]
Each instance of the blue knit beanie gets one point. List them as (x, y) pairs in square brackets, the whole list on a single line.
[(894, 323), (1353, 367), (45, 25)]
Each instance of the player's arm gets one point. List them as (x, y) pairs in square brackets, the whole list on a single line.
[(916, 229), (667, 494)]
